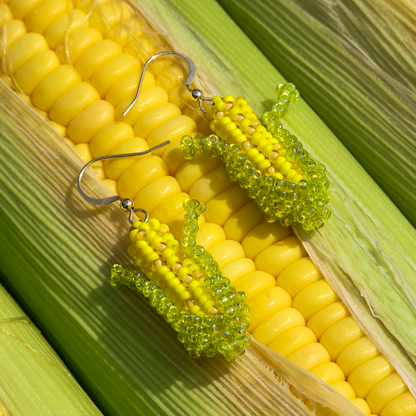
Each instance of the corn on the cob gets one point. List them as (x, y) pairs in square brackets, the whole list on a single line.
[(79, 102)]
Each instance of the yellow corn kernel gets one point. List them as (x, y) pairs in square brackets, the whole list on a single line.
[(314, 298), (149, 122), (267, 303), (293, 340), (113, 71), (237, 268), (83, 150), (242, 222), (99, 173), (263, 236), (83, 127), (368, 375), (345, 389), (210, 185), (170, 77), (108, 16), (112, 135), (69, 141), (6, 14), (111, 185), (72, 103), (327, 317), (86, 5), (20, 8), (356, 354), (173, 130), (362, 405), (60, 129), (54, 86), (385, 392), (126, 87), (177, 223), (179, 96), (168, 211), (125, 34), (194, 169), (310, 356), (405, 405), (27, 47), (224, 205), (278, 324), (96, 57), (280, 255), (13, 31), (340, 336), (329, 372), (299, 275), (33, 72), (114, 168), (139, 175), (149, 99), (142, 48), (227, 252), (255, 282), (173, 158), (156, 193), (210, 235), (78, 43), (65, 26)]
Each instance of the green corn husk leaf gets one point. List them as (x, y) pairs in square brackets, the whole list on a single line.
[(56, 252), (31, 374), (354, 62)]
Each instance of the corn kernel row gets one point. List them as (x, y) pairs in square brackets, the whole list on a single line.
[(104, 68)]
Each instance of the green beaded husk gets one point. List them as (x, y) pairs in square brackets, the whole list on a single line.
[(221, 333)]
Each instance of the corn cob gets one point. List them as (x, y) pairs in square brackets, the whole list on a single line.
[(133, 180)]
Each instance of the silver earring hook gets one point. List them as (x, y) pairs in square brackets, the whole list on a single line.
[(126, 204), (196, 95)]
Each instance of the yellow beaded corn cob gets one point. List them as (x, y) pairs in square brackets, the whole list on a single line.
[(81, 71)]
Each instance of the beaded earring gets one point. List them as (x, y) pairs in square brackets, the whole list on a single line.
[(181, 280), (279, 175)]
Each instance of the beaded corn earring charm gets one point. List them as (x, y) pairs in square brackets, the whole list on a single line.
[(181, 280)]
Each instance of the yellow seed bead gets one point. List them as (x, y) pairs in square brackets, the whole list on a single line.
[(327, 317), (264, 164), (368, 375), (224, 205), (310, 356), (340, 336), (362, 405), (60, 129), (237, 268), (207, 306), (78, 43), (173, 282), (267, 303), (13, 31), (168, 210), (280, 161), (293, 340), (314, 298), (59, 82), (226, 252), (195, 169), (262, 237), (108, 16), (385, 392), (284, 169), (299, 275), (27, 47), (96, 57), (345, 389), (255, 282), (33, 72), (84, 152), (195, 309), (280, 255), (297, 178), (114, 168), (112, 135), (173, 130), (83, 127), (141, 174), (329, 372), (157, 192), (356, 354), (152, 257), (210, 235), (405, 405), (112, 186), (73, 103), (278, 324), (210, 185), (173, 158), (66, 25)]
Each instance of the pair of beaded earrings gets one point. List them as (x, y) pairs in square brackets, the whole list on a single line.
[(181, 279)]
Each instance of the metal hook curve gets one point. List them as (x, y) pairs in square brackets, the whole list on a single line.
[(195, 93), (115, 198)]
